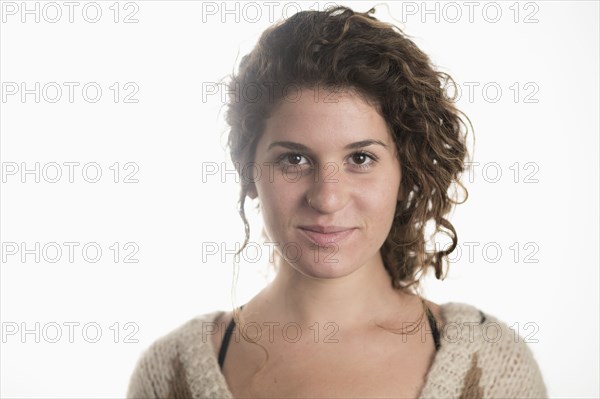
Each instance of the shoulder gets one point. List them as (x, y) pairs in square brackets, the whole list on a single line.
[(486, 357), (180, 363)]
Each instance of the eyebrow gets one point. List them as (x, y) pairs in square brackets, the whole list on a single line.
[(301, 147)]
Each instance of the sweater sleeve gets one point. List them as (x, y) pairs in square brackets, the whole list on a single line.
[(139, 386), (509, 367), (160, 372), (180, 365), (146, 379)]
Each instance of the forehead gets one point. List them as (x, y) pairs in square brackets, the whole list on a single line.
[(321, 111)]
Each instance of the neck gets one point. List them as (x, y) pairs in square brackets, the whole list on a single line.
[(357, 300)]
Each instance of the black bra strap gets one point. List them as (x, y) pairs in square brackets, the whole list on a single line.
[(482, 317), (225, 343), (434, 329)]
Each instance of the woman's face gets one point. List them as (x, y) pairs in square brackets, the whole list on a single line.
[(329, 183)]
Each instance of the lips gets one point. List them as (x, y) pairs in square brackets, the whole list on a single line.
[(323, 236)]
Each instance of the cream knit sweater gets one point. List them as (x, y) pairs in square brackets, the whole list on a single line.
[(475, 360)]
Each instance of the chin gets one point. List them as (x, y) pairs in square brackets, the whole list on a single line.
[(322, 263)]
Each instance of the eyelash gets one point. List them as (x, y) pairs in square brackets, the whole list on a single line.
[(281, 160)]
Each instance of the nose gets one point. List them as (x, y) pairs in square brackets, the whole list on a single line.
[(328, 192)]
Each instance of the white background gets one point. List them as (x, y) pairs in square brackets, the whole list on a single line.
[(172, 54)]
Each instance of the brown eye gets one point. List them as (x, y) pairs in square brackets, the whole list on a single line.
[(359, 158), (294, 159), (362, 160)]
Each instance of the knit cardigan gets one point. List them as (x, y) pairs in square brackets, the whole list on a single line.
[(479, 357)]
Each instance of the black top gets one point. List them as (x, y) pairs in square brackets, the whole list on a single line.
[(432, 323)]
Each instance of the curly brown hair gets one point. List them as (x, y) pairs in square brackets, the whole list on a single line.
[(342, 49)]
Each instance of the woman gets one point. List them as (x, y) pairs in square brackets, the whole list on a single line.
[(353, 148)]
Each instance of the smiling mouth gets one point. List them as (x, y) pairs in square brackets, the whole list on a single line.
[(326, 239)]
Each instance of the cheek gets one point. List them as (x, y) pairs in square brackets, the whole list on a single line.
[(378, 201), (380, 204), (279, 201)]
